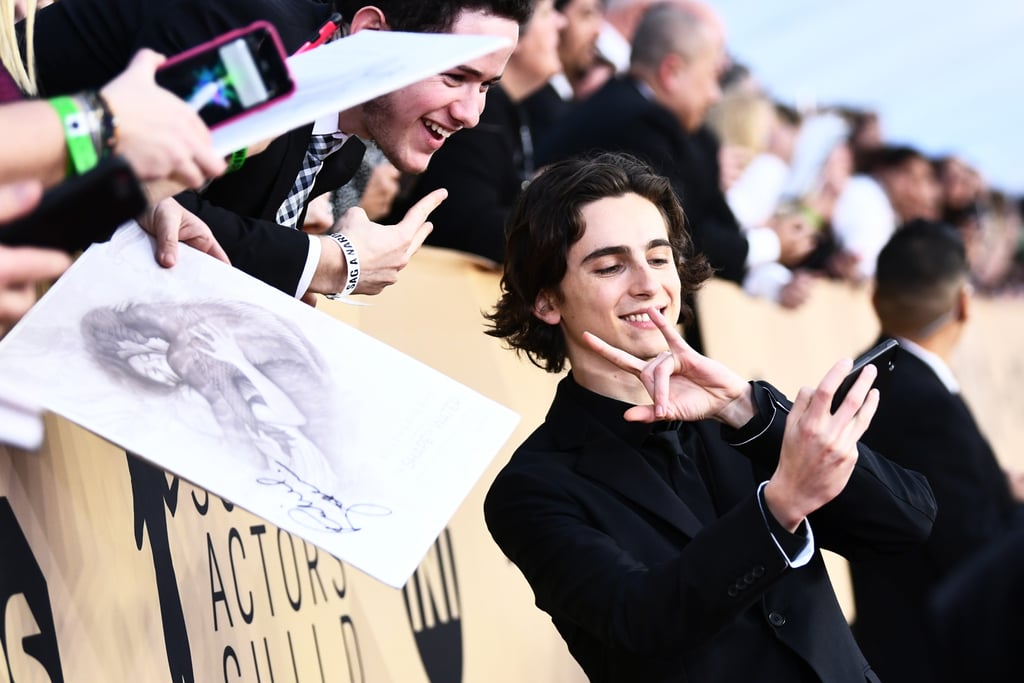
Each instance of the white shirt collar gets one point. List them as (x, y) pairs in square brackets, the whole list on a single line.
[(614, 47), (327, 124), (933, 361)]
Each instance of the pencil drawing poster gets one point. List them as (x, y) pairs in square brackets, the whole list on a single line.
[(259, 398)]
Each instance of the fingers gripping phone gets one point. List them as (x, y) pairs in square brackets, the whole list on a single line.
[(880, 356), (231, 75)]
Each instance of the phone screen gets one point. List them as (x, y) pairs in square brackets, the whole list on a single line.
[(222, 82)]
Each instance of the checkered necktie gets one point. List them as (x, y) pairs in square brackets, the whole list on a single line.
[(320, 146)]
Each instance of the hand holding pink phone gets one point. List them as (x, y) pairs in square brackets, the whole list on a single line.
[(234, 74)]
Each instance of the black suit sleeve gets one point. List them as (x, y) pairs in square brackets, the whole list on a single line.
[(884, 508), (86, 43), (267, 251), (937, 437), (582, 574)]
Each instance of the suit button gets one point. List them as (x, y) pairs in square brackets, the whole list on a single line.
[(749, 579), (733, 591), (776, 619), (758, 571)]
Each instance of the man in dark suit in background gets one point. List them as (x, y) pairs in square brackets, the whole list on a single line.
[(82, 42), (922, 298), (676, 541), (657, 112)]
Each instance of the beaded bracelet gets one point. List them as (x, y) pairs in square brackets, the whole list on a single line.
[(352, 259), (108, 123)]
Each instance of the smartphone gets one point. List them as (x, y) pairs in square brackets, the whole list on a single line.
[(880, 357), (80, 210), (231, 75)]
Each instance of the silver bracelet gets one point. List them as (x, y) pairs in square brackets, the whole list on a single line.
[(348, 251)]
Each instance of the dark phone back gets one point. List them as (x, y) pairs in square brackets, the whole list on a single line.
[(881, 356), (80, 210)]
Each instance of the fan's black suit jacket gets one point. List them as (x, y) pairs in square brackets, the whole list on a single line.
[(922, 426), (642, 591), (85, 43)]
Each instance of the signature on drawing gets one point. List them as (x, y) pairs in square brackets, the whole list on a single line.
[(319, 511)]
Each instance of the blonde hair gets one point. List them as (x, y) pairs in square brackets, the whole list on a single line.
[(22, 71), (743, 119)]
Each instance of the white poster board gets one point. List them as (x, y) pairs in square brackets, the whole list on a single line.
[(258, 398)]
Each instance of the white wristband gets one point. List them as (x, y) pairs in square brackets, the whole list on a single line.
[(352, 259)]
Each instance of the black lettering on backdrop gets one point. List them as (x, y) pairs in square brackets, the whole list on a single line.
[(155, 493), (340, 591), (433, 607), (295, 602), (204, 507), (311, 566), (256, 663), (234, 536), (319, 659), (352, 653), (217, 593), (258, 530), (291, 651), (229, 653), (22, 584), (152, 499)]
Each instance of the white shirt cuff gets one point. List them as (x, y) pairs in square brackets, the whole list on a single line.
[(806, 552), (312, 261), (764, 246)]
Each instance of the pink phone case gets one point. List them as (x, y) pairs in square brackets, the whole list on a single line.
[(215, 43)]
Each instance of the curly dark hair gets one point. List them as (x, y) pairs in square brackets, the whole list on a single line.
[(547, 221), (436, 16)]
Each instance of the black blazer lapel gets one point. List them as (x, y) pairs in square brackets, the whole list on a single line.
[(339, 167), (621, 468), (606, 458)]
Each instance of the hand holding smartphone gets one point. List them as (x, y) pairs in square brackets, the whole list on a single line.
[(880, 356), (234, 74), (81, 210)]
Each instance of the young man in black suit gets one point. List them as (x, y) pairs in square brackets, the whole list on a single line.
[(922, 298), (83, 41), (676, 541)]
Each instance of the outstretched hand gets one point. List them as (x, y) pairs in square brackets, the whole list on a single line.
[(683, 384), (384, 250)]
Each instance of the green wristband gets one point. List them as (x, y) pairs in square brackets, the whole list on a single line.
[(81, 152), (236, 159)]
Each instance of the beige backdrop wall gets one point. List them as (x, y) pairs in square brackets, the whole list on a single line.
[(115, 571)]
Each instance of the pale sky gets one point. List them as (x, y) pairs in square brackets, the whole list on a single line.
[(947, 77)]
